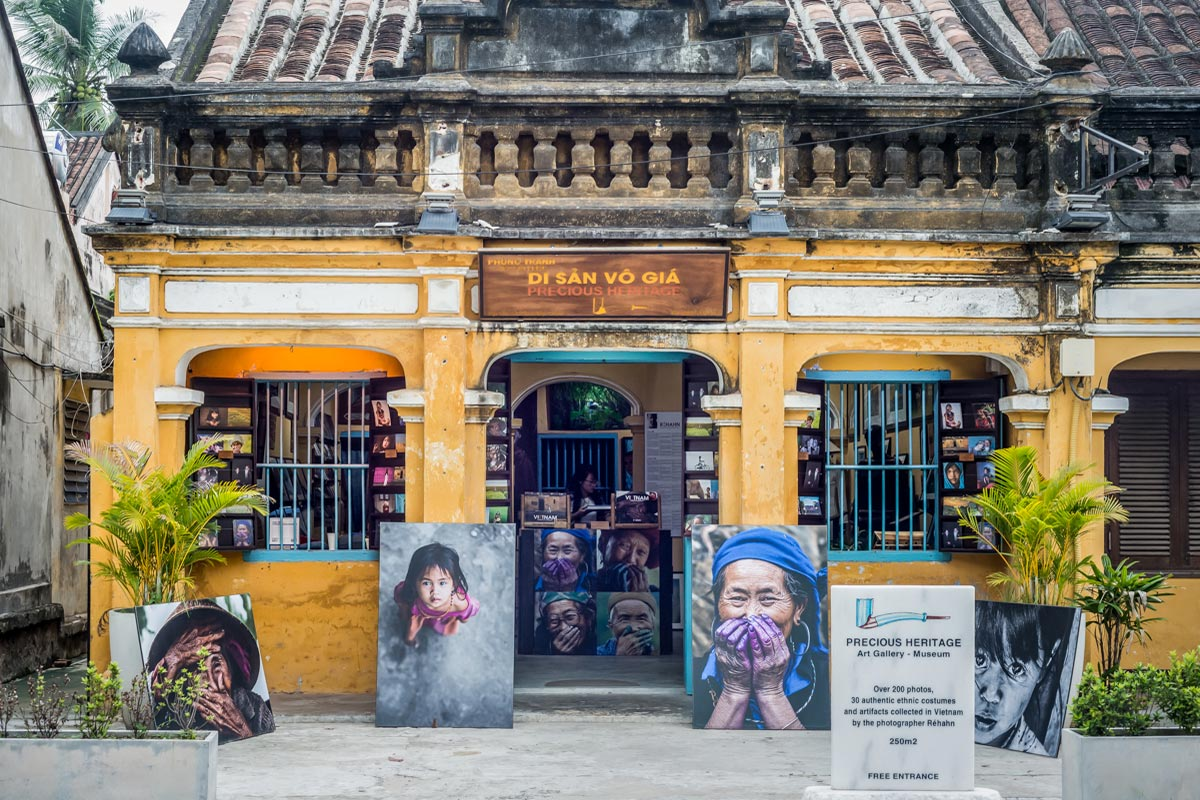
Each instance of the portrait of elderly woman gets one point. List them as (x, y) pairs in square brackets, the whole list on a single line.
[(565, 561), (216, 637), (566, 624), (628, 560), (1026, 659), (761, 662), (632, 625)]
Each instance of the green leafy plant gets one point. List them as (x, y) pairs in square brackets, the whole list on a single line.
[(1179, 691), (176, 697), (1040, 521), (69, 48), (1118, 600), (137, 709), (152, 529), (48, 706), (1123, 705), (8, 708), (99, 704)]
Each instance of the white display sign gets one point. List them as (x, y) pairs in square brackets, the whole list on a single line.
[(902, 687), (664, 466)]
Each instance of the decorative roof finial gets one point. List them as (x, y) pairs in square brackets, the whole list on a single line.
[(143, 51), (1067, 53)]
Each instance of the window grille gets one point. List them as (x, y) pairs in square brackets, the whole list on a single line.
[(882, 466), (559, 456), (312, 461)]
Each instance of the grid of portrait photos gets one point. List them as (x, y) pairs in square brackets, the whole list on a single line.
[(968, 433), (216, 637), (446, 628), (810, 471), (226, 424), (759, 657), (386, 468), (1028, 661), (498, 486), (598, 592)]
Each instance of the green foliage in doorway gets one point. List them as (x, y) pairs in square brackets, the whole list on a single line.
[(580, 406)]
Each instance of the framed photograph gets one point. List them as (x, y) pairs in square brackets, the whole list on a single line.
[(237, 417), (812, 445), (208, 539), (987, 538), (497, 458), (983, 416), (398, 474), (814, 471), (498, 514), (207, 478), (951, 506), (952, 475), (810, 419), (389, 503), (497, 428), (954, 445), (386, 445), (698, 426), (545, 510), (810, 506), (952, 418), (496, 490), (236, 444), (636, 510), (981, 445), (951, 536), (985, 475), (696, 520), (701, 489), (382, 415), (211, 417), (700, 461), (695, 391), (243, 471), (383, 476), (243, 534)]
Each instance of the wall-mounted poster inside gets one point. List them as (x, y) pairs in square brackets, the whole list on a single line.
[(759, 659), (628, 560), (545, 510), (445, 626), (1028, 660), (215, 636)]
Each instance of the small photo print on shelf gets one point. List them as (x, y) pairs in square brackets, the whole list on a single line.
[(983, 416), (700, 461), (810, 419), (496, 490), (243, 533), (954, 445), (389, 504), (635, 509), (951, 536), (952, 475), (987, 538), (237, 417), (497, 458), (545, 510), (985, 475), (698, 426), (208, 539), (981, 445), (698, 389), (696, 520), (236, 444), (386, 476), (813, 472), (810, 506), (388, 445), (952, 505), (498, 514), (207, 478), (702, 489), (212, 417), (812, 444), (243, 471), (497, 428), (382, 415), (952, 418)]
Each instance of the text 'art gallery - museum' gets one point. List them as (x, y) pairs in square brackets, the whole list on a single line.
[(415, 260)]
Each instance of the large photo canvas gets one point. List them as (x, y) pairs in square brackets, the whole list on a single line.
[(217, 637), (446, 634), (1028, 660), (759, 656)]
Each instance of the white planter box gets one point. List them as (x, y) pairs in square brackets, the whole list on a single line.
[(1153, 767), (156, 768)]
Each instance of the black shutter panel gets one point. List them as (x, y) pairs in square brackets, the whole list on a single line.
[(1143, 470), (1192, 524)]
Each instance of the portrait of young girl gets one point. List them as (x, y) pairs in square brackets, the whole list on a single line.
[(434, 594)]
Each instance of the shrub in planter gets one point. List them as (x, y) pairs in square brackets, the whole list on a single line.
[(1119, 601)]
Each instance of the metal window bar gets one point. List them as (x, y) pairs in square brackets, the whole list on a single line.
[(560, 455), (313, 463), (880, 499)]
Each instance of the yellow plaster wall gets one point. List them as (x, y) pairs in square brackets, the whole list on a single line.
[(317, 622), (961, 570), (1179, 629)]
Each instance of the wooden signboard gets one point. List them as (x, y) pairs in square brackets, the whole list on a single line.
[(603, 284), (545, 510), (635, 510)]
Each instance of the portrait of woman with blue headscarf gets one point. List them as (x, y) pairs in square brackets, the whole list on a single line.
[(565, 557), (767, 667)]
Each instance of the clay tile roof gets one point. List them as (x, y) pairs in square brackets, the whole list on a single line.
[(87, 160), (1132, 42)]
